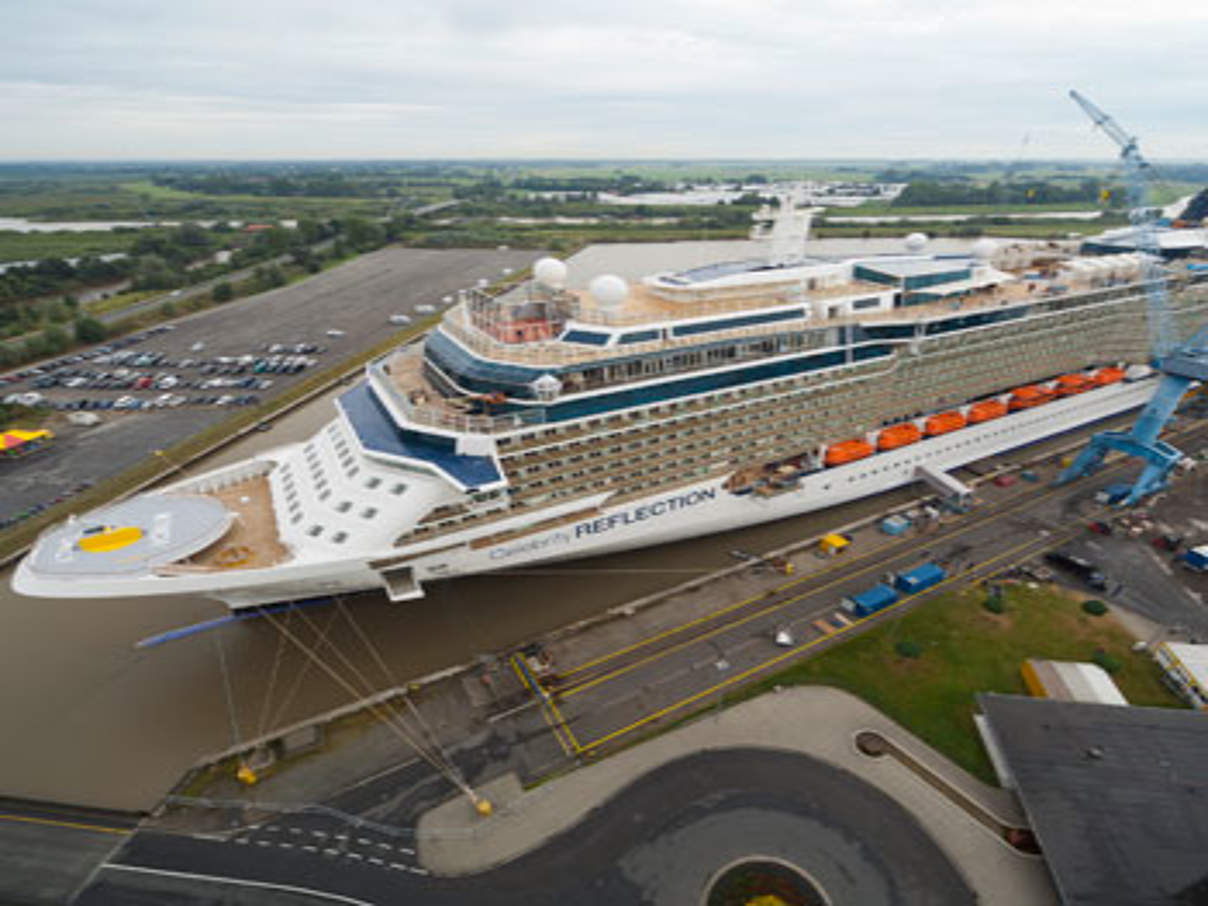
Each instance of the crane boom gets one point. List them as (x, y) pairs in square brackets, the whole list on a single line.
[(1127, 143), (1181, 366)]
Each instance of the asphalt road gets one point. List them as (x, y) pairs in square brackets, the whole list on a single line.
[(658, 843), (357, 297), (50, 851)]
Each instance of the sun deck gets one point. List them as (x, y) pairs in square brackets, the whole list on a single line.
[(251, 542), (646, 308)]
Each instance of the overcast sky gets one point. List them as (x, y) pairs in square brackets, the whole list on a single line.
[(597, 78)]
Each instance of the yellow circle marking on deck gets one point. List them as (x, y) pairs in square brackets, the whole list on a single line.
[(111, 539)]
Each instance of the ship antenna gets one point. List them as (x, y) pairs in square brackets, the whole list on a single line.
[(785, 228)]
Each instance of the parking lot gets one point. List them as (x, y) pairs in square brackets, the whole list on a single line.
[(153, 389)]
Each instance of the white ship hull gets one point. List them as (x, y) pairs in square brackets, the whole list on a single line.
[(670, 515)]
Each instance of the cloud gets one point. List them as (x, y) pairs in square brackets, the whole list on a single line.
[(459, 78)]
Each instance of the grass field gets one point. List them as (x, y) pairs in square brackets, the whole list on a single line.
[(966, 650), (16, 246)]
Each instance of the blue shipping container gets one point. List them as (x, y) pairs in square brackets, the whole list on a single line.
[(913, 581), (869, 602), (894, 525)]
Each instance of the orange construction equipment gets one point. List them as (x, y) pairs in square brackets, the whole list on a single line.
[(1071, 384), (985, 410), (847, 451), (1108, 375), (943, 422), (898, 436), (1029, 396)]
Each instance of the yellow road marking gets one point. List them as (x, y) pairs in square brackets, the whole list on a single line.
[(879, 554), (1007, 508), (74, 825), (1057, 538), (558, 725)]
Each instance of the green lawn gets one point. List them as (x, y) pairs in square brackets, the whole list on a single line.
[(16, 246), (966, 650)]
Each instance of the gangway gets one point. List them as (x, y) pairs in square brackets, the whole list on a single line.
[(1180, 366), (951, 487)]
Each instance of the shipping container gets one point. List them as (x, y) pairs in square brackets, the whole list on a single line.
[(869, 602), (920, 578)]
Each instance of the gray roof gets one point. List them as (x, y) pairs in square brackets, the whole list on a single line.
[(1117, 797)]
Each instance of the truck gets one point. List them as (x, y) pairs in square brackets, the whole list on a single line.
[(1196, 559), (869, 602), (1113, 493), (919, 579), (1080, 567)]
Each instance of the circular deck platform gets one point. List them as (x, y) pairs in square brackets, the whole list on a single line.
[(153, 529)]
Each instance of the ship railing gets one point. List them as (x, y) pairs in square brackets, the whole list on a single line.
[(438, 416)]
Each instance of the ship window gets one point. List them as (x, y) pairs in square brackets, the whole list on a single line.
[(352, 473), (296, 519), (340, 537), (369, 512), (315, 531), (398, 489), (641, 336), (373, 483), (585, 336), (343, 506), (323, 495)]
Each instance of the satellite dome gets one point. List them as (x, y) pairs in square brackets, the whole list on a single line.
[(608, 290), (984, 248), (547, 387), (916, 242), (550, 271)]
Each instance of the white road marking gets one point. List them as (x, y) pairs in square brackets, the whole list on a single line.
[(217, 879), (375, 860), (417, 871)]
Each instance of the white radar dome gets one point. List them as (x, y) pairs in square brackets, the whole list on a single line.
[(609, 290), (984, 248), (550, 271), (916, 242)]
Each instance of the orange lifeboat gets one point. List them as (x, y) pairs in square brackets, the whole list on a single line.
[(898, 436), (1109, 375), (1071, 384), (1029, 396), (943, 422), (847, 451), (986, 410)]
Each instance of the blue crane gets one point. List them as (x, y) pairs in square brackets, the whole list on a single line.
[(1180, 366)]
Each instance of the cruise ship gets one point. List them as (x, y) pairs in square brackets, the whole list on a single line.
[(549, 422)]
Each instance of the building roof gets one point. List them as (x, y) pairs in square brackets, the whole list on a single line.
[(1194, 659), (1117, 797), (1073, 681)]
